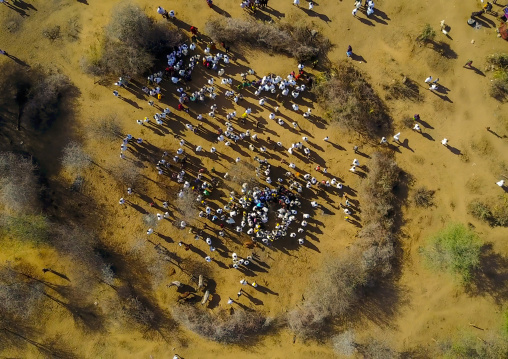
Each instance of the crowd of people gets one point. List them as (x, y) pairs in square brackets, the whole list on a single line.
[(262, 213)]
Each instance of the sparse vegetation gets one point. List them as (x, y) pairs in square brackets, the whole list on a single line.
[(75, 158), (455, 249), (223, 327), (467, 346), (350, 101), (344, 343), (106, 128), (493, 212), (294, 40), (427, 34), (52, 33), (19, 190), (403, 89), (423, 197), (33, 228), (130, 44), (499, 86)]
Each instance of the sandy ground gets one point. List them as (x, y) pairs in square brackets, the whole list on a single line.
[(429, 306)]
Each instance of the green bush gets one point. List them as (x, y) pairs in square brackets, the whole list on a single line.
[(427, 35), (455, 249)]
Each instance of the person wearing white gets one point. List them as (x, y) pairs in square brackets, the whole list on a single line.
[(500, 183), (396, 137), (417, 127), (428, 79)]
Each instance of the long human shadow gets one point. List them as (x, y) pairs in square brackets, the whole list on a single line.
[(453, 150), (17, 60)]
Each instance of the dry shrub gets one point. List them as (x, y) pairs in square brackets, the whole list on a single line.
[(405, 89), (131, 42), (297, 41), (350, 101), (107, 128), (137, 311), (187, 205), (332, 290), (243, 172), (20, 297), (378, 211), (52, 33), (423, 197), (126, 173), (376, 348), (344, 343), (19, 190), (222, 327), (74, 157), (45, 100)]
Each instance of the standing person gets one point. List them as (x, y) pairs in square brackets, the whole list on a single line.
[(469, 64), (162, 12), (311, 5), (349, 51), (2, 52), (355, 10), (172, 14), (116, 93), (296, 3)]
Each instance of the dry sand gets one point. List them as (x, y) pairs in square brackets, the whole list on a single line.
[(430, 305)]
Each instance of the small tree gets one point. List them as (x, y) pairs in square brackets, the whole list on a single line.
[(455, 249), (427, 35), (131, 42)]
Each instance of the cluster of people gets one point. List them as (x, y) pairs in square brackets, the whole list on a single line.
[(368, 7), (265, 213)]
